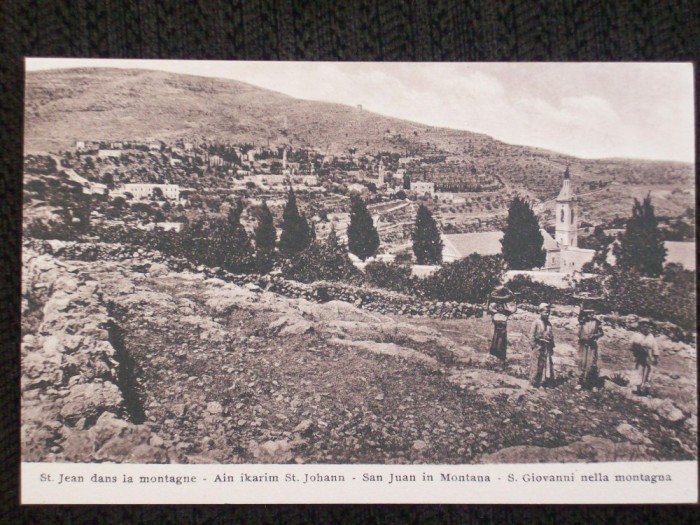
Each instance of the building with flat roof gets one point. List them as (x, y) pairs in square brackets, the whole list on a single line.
[(423, 188), (145, 191)]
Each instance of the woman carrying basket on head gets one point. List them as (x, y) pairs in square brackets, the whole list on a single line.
[(501, 305)]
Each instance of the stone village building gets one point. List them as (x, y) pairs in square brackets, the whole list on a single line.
[(145, 191)]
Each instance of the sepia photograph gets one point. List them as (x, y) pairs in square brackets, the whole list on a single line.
[(359, 263)]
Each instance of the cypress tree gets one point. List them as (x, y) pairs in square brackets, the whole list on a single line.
[(265, 239), (238, 255), (336, 264), (363, 239), (641, 246), (427, 244), (295, 235), (522, 240)]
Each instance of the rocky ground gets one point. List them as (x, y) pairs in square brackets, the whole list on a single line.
[(129, 360)]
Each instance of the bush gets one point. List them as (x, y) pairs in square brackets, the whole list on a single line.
[(532, 292), (327, 261), (215, 243), (468, 280), (391, 276), (52, 229), (671, 300), (218, 243)]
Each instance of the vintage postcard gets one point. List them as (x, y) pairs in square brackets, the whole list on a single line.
[(280, 282)]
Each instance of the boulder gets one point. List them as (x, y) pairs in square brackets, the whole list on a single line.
[(144, 453), (419, 445), (279, 451), (90, 400), (297, 328), (304, 427), (631, 434), (214, 407), (107, 427), (79, 447), (158, 270)]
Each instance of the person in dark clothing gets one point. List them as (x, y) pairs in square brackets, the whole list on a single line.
[(501, 305)]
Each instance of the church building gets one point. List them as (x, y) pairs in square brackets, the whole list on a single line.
[(563, 253)]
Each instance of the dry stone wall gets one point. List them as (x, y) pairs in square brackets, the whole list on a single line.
[(373, 299), (365, 297)]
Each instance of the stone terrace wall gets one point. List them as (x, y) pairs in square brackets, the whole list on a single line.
[(76, 403), (373, 299)]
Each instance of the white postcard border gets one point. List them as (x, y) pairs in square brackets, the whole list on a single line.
[(568, 483)]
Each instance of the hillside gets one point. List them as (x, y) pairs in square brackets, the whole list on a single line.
[(109, 104), (134, 358)]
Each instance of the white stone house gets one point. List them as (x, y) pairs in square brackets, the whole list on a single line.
[(143, 190)]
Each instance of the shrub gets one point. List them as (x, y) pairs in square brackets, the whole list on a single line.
[(533, 292), (326, 261), (468, 280), (52, 229), (392, 276), (671, 300)]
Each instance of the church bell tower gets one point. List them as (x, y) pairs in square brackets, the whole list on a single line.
[(566, 214)]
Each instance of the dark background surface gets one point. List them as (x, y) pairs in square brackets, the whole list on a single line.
[(562, 30)]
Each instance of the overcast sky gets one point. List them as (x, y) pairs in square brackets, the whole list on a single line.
[(632, 110)]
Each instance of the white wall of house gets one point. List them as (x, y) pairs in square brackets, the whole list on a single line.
[(140, 191), (573, 259)]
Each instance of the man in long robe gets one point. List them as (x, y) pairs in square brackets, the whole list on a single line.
[(589, 332), (542, 344)]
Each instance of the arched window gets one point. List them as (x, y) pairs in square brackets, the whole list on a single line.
[(572, 216), (562, 215)]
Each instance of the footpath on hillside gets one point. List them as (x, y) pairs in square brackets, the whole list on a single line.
[(130, 361)]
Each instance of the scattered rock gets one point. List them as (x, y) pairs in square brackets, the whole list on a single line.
[(631, 434), (279, 451), (588, 449), (214, 407), (419, 445), (158, 270), (304, 426)]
